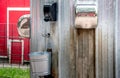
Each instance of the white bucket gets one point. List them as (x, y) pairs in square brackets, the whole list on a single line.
[(40, 63)]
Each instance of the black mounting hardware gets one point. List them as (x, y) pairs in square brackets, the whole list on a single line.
[(50, 12)]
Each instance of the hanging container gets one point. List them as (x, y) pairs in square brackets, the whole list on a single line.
[(40, 63)]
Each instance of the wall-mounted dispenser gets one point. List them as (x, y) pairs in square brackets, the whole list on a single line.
[(50, 12), (24, 25), (86, 14)]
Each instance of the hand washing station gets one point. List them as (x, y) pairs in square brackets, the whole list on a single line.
[(85, 14)]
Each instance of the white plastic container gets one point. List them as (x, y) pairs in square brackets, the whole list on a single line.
[(40, 63)]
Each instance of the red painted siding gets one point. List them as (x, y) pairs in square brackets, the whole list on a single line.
[(13, 19), (16, 51), (3, 11)]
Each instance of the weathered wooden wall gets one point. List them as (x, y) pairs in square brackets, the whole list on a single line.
[(38, 28), (63, 38), (66, 40), (105, 39)]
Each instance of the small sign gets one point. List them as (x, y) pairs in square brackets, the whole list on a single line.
[(86, 6)]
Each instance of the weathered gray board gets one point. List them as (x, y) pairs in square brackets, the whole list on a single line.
[(38, 28), (63, 38), (117, 38), (104, 39)]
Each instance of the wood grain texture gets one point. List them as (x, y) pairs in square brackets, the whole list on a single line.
[(111, 40), (117, 38), (65, 63), (70, 45), (105, 39), (85, 57), (38, 28), (79, 55), (85, 54), (91, 53)]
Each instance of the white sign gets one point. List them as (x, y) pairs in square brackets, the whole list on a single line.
[(86, 6)]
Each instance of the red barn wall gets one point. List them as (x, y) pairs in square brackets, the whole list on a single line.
[(13, 19)]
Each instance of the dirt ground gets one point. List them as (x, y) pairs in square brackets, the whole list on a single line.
[(4, 62)]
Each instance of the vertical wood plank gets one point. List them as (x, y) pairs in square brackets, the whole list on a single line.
[(91, 58), (40, 26), (53, 44), (72, 41), (107, 22), (85, 56), (33, 46), (117, 43), (104, 42), (72, 54), (105, 51), (98, 41), (99, 53), (79, 56), (65, 63), (111, 38), (76, 33)]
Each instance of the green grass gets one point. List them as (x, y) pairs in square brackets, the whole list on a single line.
[(14, 73)]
